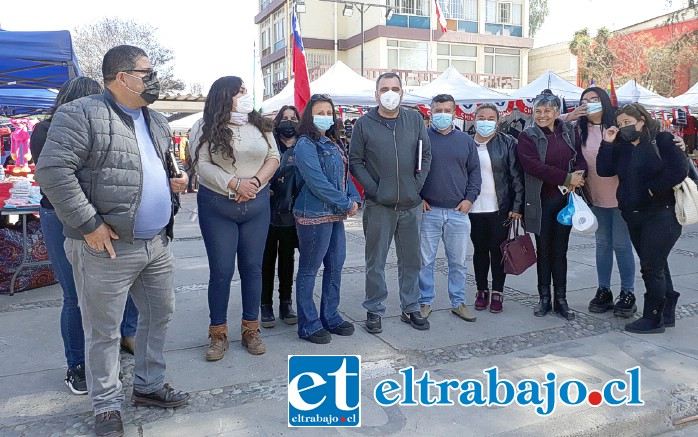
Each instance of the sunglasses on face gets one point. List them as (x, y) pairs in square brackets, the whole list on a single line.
[(316, 97), (149, 73), (546, 97)]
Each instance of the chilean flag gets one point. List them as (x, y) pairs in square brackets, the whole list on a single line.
[(440, 18), (301, 86)]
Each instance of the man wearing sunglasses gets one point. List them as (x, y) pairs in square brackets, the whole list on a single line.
[(105, 171)]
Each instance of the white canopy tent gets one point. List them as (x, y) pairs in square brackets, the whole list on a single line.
[(463, 90), (689, 98), (632, 92), (344, 85), (184, 124), (559, 86)]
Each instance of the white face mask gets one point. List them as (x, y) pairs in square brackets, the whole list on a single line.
[(390, 100), (244, 104), (238, 118)]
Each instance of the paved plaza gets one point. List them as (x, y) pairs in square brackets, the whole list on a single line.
[(245, 395)]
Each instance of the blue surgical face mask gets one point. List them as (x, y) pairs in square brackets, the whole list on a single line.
[(442, 120), (594, 107), (323, 122), (485, 127)]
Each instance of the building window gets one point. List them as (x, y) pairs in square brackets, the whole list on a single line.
[(503, 18), (263, 4), (316, 58), (499, 60), (462, 57), (407, 55), (504, 13), (452, 9), (279, 69), (410, 7), (268, 88), (470, 10), (265, 37), (279, 29), (461, 15)]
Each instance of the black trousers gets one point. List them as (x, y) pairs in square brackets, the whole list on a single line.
[(653, 234), (551, 244), (488, 232), (281, 241)]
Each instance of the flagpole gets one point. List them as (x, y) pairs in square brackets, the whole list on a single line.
[(429, 64)]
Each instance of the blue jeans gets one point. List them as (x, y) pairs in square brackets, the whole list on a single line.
[(71, 319), (453, 227), (613, 236), (231, 229), (324, 244)]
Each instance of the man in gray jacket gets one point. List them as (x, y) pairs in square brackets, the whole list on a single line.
[(390, 155), (104, 169)]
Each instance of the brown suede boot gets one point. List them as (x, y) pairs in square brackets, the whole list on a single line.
[(250, 337), (219, 342)]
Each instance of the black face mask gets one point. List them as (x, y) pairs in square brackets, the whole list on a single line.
[(287, 128), (152, 88), (629, 134)]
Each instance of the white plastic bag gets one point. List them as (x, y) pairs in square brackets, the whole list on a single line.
[(583, 219)]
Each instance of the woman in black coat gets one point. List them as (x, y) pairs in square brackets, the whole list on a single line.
[(648, 165)]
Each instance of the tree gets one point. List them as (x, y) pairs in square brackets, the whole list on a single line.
[(196, 88), (630, 56), (92, 41), (537, 13)]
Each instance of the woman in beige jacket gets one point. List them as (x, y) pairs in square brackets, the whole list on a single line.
[(235, 157)]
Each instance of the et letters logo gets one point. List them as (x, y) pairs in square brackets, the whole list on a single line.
[(324, 390)]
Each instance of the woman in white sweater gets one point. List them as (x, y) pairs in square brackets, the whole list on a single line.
[(235, 157)]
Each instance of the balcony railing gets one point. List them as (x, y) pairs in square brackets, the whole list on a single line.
[(414, 78)]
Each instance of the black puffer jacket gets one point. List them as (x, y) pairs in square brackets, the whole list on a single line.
[(90, 167)]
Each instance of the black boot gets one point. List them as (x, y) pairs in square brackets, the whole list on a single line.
[(544, 306), (560, 306), (669, 313), (286, 312), (651, 320), (268, 320)]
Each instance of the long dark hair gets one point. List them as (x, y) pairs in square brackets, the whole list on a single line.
[(74, 89), (215, 130), (606, 116), (638, 112), (306, 125), (278, 119)]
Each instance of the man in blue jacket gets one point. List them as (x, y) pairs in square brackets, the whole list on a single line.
[(386, 158)]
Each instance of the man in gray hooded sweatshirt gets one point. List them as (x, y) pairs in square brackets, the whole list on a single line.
[(384, 157)]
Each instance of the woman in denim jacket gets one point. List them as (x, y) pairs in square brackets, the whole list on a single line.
[(326, 198)]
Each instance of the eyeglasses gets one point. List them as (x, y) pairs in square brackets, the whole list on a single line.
[(590, 100), (148, 71), (316, 97)]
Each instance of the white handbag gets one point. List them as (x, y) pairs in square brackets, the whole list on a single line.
[(686, 194)]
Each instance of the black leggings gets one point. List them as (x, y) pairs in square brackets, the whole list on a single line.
[(551, 244), (487, 233), (282, 241)]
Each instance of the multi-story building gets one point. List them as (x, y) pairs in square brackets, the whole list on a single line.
[(487, 40)]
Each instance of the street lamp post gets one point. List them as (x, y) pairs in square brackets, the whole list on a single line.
[(361, 7)]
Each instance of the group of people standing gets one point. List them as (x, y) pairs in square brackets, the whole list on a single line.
[(268, 187)]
